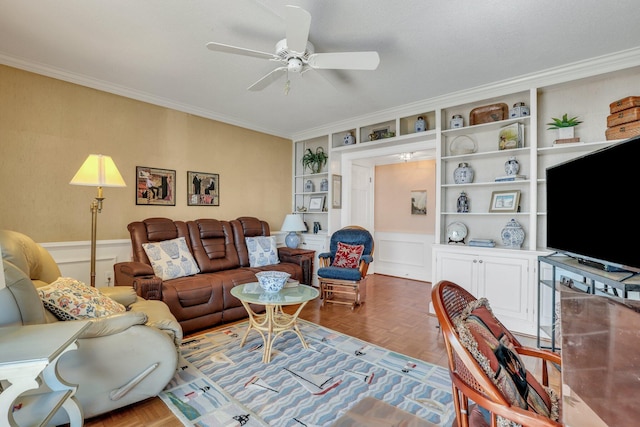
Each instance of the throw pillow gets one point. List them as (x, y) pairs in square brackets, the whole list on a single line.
[(348, 256), (481, 334), (262, 251), (171, 259), (70, 299)]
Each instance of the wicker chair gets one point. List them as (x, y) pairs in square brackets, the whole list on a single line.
[(469, 381)]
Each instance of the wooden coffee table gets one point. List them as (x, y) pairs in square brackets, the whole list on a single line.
[(274, 321)]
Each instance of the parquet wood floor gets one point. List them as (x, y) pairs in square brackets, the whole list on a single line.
[(395, 316)]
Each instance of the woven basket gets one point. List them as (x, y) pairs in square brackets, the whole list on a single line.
[(624, 131), (624, 116), (624, 103)]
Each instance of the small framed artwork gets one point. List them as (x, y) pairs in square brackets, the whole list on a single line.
[(336, 191), (316, 203), (203, 189), (155, 186), (418, 202), (505, 201)]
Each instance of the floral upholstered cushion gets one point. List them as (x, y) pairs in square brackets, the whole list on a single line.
[(70, 299), (347, 256), (262, 251), (483, 336), (171, 258)]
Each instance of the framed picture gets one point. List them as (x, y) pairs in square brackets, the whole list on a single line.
[(316, 203), (336, 191), (155, 186), (418, 202), (203, 189), (505, 201)]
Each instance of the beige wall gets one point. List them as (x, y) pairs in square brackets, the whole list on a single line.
[(48, 127), (394, 184)]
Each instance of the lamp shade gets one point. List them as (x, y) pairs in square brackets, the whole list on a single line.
[(293, 222), (98, 171)]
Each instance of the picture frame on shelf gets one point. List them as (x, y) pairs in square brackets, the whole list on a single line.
[(155, 186), (316, 203), (506, 201), (336, 191), (203, 189)]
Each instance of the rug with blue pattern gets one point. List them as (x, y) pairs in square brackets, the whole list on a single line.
[(219, 383)]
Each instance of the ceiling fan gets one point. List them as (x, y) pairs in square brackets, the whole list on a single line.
[(297, 55)]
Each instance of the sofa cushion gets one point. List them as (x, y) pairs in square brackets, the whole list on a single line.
[(347, 256), (482, 335), (70, 299), (262, 251), (171, 258)]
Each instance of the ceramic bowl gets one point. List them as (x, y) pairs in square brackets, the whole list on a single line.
[(272, 281)]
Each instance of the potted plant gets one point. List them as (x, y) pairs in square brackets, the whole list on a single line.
[(314, 160), (564, 126)]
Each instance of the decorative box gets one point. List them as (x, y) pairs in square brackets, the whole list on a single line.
[(623, 116), (624, 103), (519, 110), (623, 131)]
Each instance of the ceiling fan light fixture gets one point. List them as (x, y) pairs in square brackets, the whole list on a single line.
[(406, 156), (295, 65)]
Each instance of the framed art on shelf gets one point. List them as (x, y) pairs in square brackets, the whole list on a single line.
[(336, 191), (155, 186), (203, 189), (505, 201), (316, 203)]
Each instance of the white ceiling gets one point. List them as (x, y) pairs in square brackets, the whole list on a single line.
[(154, 50)]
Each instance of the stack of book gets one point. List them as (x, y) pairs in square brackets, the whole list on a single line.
[(510, 178), (485, 243)]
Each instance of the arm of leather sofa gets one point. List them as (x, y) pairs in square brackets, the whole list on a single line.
[(159, 316), (140, 277), (114, 324)]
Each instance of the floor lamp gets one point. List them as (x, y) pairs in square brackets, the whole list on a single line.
[(97, 171)]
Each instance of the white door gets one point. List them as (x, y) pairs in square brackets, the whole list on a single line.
[(362, 196)]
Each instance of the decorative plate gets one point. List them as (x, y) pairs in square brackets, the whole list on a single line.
[(456, 232), (463, 144)]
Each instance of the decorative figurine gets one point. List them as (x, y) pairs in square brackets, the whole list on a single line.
[(463, 203)]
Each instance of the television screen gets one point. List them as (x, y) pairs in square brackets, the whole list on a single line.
[(591, 206)]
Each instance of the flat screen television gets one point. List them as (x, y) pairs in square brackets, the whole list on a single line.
[(591, 207)]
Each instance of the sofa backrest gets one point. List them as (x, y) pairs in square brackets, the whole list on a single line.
[(213, 245), (30, 257), (20, 303), (247, 226), (155, 230)]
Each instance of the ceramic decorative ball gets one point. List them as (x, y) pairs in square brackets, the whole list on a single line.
[(272, 281)]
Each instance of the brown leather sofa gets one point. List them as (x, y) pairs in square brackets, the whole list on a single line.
[(202, 300)]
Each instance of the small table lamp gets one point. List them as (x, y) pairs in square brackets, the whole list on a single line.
[(97, 171), (293, 223)]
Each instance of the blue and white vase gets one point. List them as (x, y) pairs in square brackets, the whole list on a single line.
[(463, 174), (512, 234), (511, 166), (421, 124)]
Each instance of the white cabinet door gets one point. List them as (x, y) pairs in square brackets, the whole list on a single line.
[(506, 280)]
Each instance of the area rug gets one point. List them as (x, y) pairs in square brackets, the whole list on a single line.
[(220, 383)]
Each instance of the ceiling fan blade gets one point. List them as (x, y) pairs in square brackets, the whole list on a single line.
[(219, 47), (298, 22), (345, 60), (267, 80)]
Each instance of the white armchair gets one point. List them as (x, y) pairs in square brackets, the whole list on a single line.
[(121, 359)]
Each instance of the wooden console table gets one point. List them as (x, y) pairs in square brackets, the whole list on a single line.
[(30, 354), (302, 257)]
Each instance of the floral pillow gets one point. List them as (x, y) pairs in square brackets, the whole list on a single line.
[(70, 299), (171, 258), (262, 251), (348, 256)]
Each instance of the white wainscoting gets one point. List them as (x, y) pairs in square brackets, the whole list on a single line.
[(405, 255), (74, 258)]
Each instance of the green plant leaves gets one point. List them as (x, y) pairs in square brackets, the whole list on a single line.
[(565, 122)]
